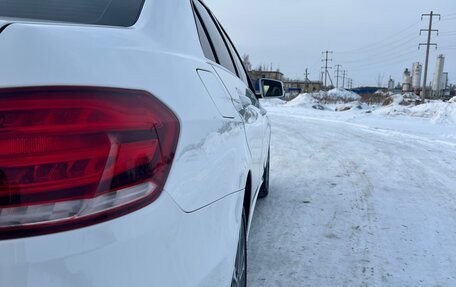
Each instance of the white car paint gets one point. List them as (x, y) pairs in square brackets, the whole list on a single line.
[(188, 237)]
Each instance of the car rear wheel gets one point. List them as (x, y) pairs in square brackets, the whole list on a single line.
[(240, 268), (264, 190)]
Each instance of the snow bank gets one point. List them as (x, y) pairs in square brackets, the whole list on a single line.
[(436, 111), (336, 96), (303, 100), (333, 96), (343, 101), (381, 92), (397, 99), (406, 99), (344, 95)]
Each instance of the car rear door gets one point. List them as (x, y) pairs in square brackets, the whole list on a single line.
[(232, 73)]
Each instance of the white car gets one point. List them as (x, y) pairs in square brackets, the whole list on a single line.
[(132, 148)]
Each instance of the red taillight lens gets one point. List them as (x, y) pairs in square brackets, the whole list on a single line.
[(75, 156)]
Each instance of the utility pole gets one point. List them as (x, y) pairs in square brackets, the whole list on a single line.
[(349, 83), (337, 75), (343, 79), (326, 60), (330, 79), (428, 45), (307, 76)]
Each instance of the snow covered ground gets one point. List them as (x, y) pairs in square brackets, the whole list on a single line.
[(364, 197)]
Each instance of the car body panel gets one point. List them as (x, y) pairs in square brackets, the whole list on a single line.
[(254, 120), (188, 237), (219, 95), (132, 251), (38, 62)]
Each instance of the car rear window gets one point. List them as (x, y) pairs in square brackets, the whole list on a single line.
[(99, 12)]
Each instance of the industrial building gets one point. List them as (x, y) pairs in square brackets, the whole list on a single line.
[(417, 70), (391, 84), (437, 85), (259, 74), (444, 81), (306, 86), (407, 82), (412, 79), (291, 86)]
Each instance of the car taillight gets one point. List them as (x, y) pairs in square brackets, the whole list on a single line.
[(75, 156)]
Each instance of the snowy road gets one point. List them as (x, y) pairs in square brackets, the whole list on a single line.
[(354, 206)]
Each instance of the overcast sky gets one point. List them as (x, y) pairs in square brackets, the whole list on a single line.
[(368, 37)]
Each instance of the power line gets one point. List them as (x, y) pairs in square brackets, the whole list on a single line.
[(382, 57), (449, 19), (396, 65), (387, 46), (392, 53), (386, 60), (383, 64), (387, 39), (447, 35)]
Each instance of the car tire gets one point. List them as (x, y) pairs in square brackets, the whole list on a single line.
[(264, 190), (240, 267)]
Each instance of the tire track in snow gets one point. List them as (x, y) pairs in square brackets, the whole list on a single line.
[(349, 207)]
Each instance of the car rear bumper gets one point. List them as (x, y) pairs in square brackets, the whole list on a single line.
[(159, 245)]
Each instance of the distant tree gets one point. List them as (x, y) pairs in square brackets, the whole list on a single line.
[(247, 63)]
